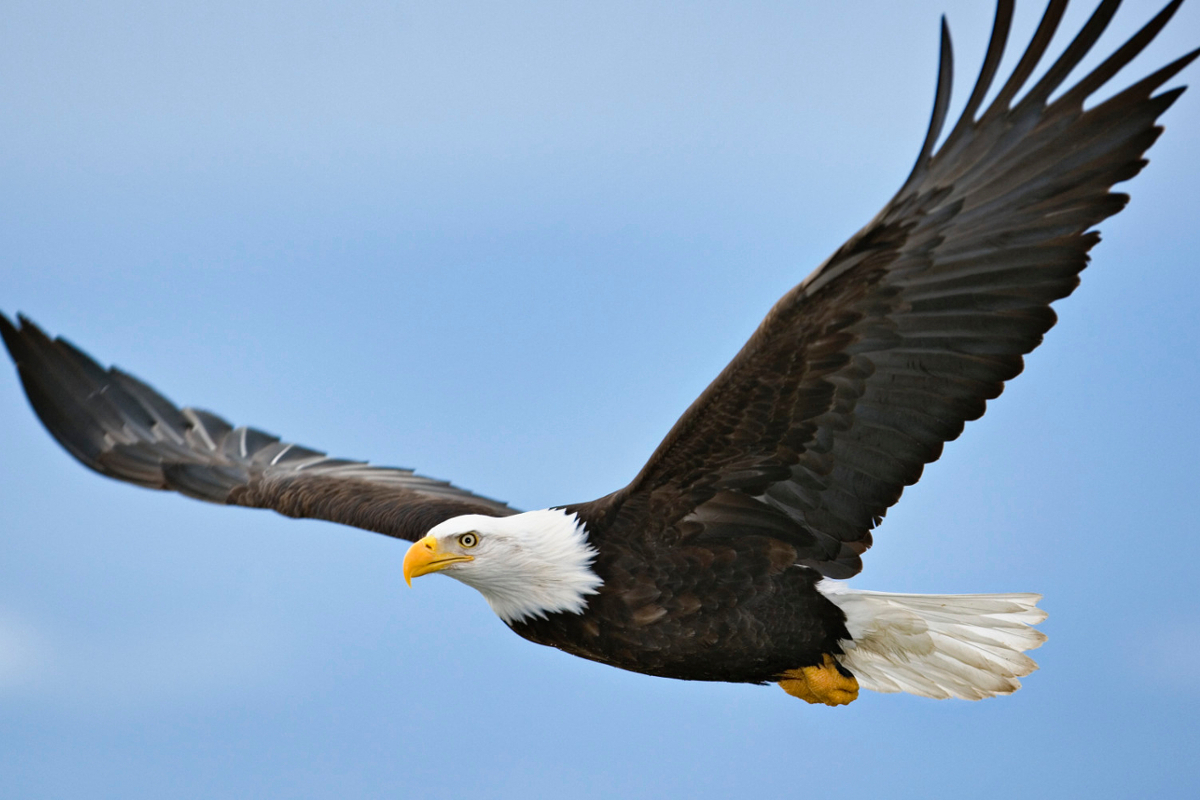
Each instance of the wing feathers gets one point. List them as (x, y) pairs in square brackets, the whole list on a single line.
[(1029, 60), (859, 375), (941, 100), (1070, 58), (120, 427), (991, 63), (1124, 54)]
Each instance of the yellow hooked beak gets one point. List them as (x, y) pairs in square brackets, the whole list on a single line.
[(425, 557)]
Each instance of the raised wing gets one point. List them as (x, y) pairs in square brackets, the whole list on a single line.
[(858, 376), (120, 427)]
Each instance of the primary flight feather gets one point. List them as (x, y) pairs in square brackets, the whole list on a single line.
[(719, 561)]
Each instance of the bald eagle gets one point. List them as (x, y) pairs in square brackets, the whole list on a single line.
[(722, 559)]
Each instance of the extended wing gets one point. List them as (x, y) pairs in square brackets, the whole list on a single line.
[(860, 374), (120, 427)]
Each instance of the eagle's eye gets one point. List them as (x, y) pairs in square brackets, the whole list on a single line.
[(468, 540)]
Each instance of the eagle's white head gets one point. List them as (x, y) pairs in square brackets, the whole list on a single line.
[(526, 565)]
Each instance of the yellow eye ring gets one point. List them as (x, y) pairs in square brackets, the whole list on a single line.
[(468, 540)]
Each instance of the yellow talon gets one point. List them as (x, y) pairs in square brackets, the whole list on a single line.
[(823, 684)]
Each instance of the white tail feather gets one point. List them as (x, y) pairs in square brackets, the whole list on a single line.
[(938, 645)]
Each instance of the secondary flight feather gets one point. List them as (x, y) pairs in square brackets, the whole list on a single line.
[(720, 560)]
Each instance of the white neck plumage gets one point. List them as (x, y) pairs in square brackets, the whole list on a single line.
[(527, 565)]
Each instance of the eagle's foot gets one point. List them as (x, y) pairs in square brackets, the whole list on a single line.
[(823, 684)]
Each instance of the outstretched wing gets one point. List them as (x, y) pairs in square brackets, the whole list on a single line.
[(858, 376), (120, 427)]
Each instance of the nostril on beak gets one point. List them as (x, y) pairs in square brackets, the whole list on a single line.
[(429, 546)]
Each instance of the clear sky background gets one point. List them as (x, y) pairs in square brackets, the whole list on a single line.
[(507, 244)]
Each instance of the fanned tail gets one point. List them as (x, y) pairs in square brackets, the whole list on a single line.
[(968, 646)]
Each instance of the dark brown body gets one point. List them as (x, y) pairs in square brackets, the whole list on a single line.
[(738, 610)]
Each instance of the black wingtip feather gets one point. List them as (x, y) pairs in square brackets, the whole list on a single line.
[(46, 389), (8, 333), (1075, 52), (941, 103), (1029, 60), (1001, 27), (1124, 54)]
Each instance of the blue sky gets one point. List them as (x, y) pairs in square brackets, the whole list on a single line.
[(508, 245)]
